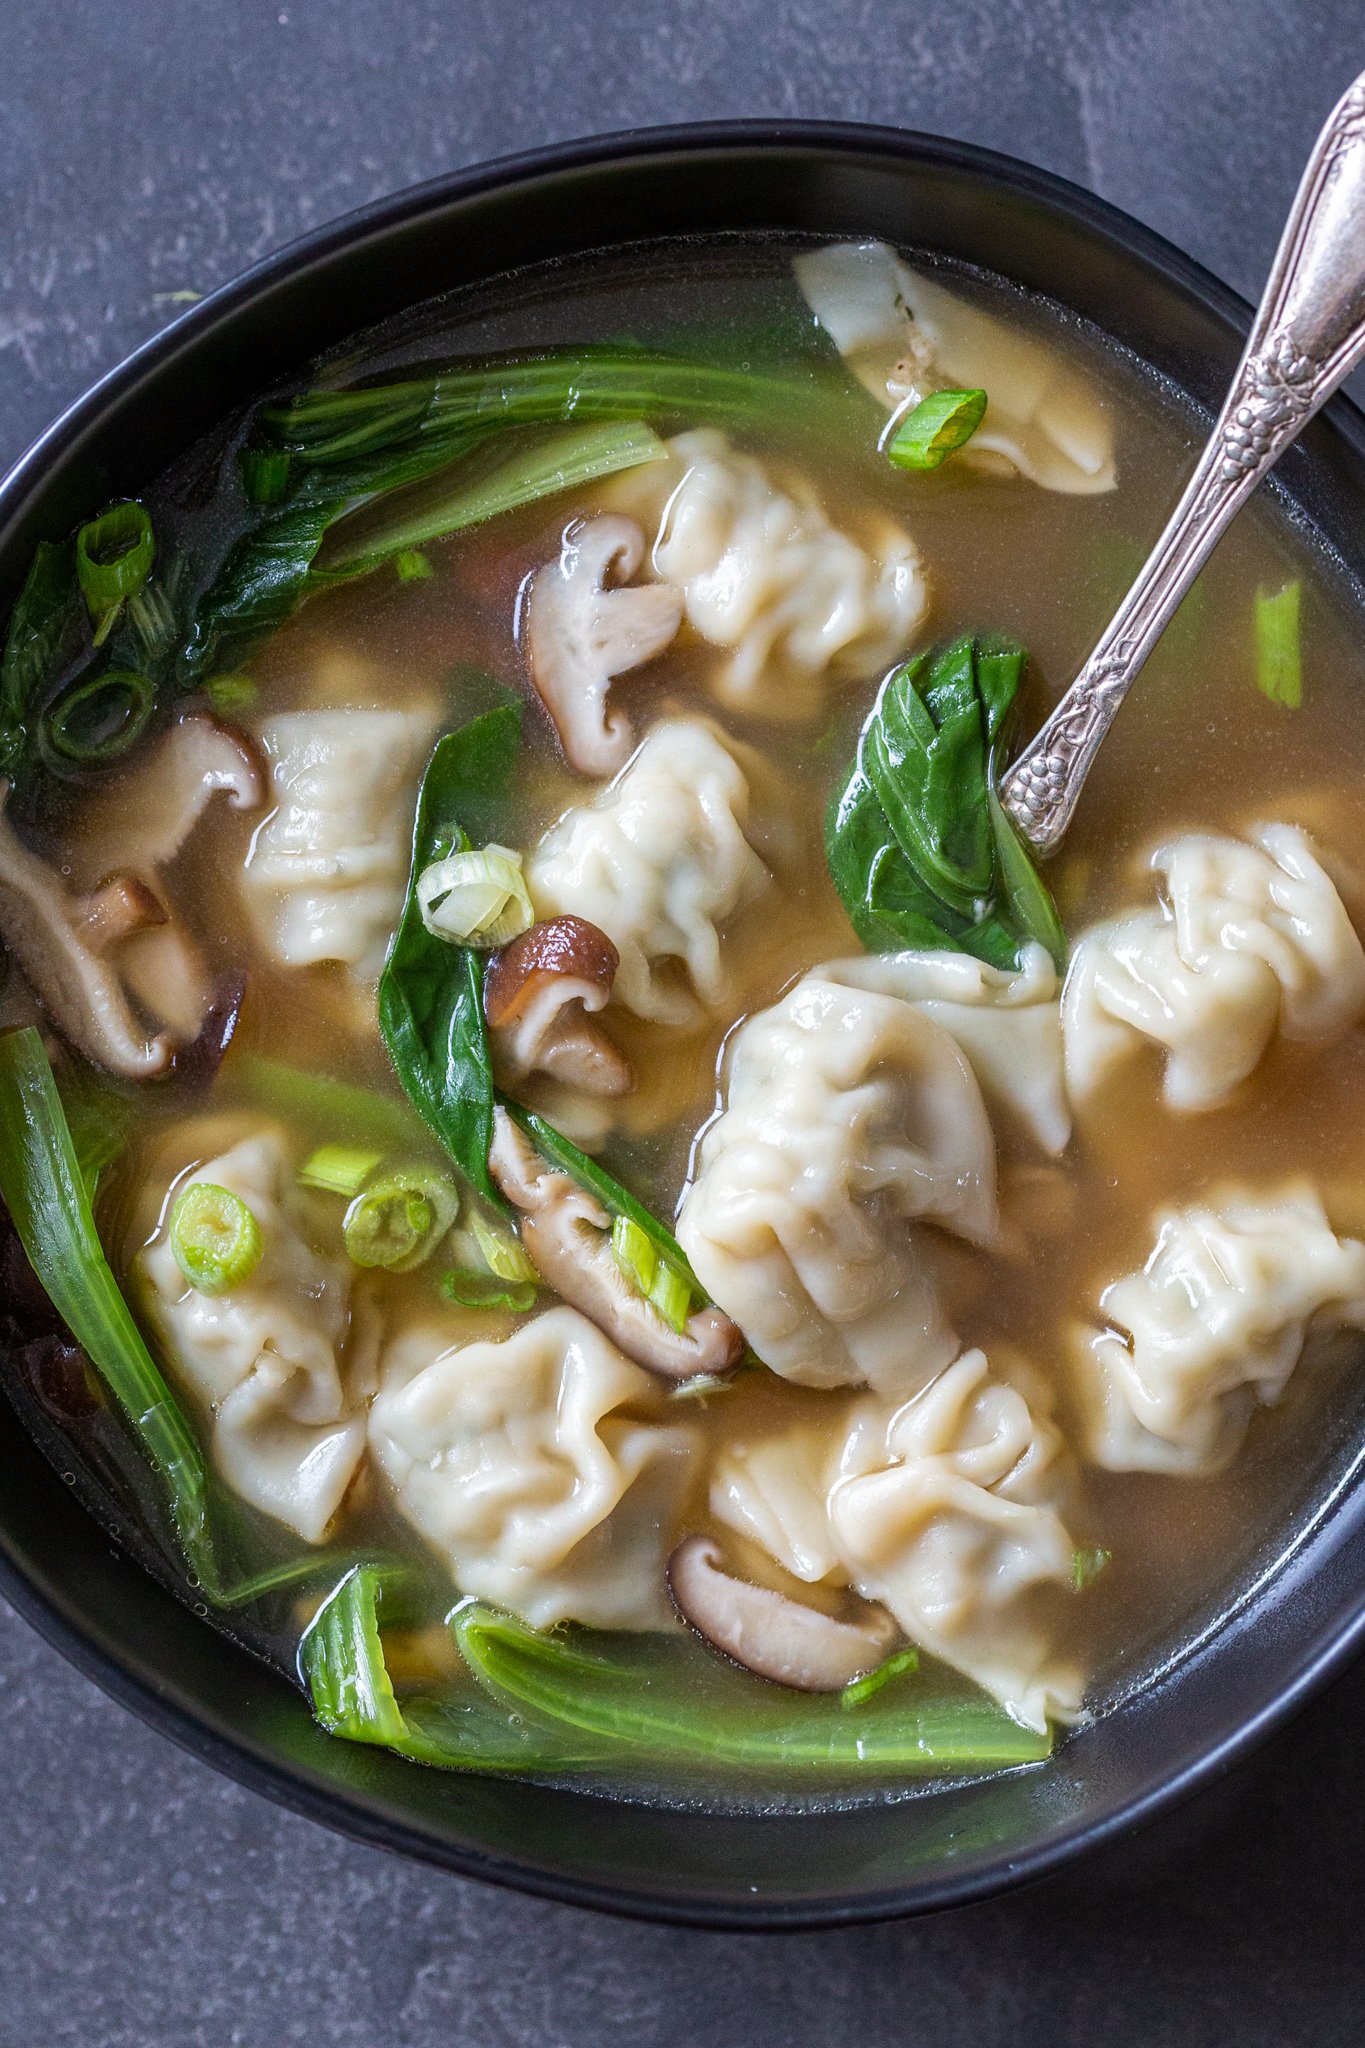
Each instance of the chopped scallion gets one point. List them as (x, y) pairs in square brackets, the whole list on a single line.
[(265, 474), (229, 695), (399, 1219), (1279, 653), (501, 1250), (100, 718), (637, 1256), (412, 566), (338, 1169), (216, 1240), (935, 428), (476, 899), (1087, 1565), (486, 1290), (114, 556), (859, 1689)]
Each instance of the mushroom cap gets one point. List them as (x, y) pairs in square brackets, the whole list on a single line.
[(766, 1632), (580, 634), (567, 1237), (538, 994)]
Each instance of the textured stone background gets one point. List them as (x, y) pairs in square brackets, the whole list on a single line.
[(158, 146)]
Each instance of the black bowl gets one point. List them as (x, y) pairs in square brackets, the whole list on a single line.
[(141, 1643)]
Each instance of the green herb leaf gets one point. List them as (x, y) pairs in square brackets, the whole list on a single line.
[(43, 627), (431, 992), (651, 1700), (918, 848), (936, 428), (1279, 653)]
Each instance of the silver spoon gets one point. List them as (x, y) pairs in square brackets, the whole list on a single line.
[(1308, 334)]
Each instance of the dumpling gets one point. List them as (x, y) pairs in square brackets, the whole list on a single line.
[(525, 1465), (948, 1513), (764, 574), (947, 1510), (1252, 938), (849, 1118), (328, 869), (904, 336), (1214, 1322), (1008, 1024), (658, 861), (268, 1359)]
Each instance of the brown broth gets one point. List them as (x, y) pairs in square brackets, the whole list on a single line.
[(1196, 747)]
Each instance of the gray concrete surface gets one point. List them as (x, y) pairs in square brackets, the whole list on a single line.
[(158, 146)]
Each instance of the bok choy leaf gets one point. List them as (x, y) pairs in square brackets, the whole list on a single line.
[(656, 1701), (919, 848), (431, 992)]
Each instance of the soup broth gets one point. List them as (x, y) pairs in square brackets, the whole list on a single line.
[(1160, 1555)]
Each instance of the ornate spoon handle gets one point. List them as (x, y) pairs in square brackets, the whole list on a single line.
[(1309, 333)]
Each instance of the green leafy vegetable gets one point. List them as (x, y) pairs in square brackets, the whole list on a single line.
[(341, 1659), (919, 849), (936, 428), (43, 626), (1279, 653), (616, 1200), (431, 993), (650, 1700)]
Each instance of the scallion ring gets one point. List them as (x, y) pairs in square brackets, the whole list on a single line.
[(100, 718), (666, 1291), (398, 1220), (501, 1251), (215, 1239), (114, 556), (477, 898), (935, 428)]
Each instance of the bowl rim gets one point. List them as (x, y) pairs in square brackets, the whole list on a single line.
[(113, 1668)]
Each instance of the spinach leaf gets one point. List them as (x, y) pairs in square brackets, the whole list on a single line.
[(431, 993), (918, 847), (47, 615)]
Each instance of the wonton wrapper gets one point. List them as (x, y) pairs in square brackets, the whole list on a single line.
[(658, 861), (328, 870), (1253, 939), (1214, 1322), (266, 1359), (905, 336), (516, 1463), (763, 572), (947, 1510), (849, 1118), (1008, 1024)]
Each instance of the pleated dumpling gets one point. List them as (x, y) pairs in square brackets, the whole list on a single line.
[(796, 603), (530, 1466), (949, 1512), (850, 1120), (659, 861), (1252, 938), (328, 869), (1214, 1322), (904, 336), (1008, 1024), (270, 1360)]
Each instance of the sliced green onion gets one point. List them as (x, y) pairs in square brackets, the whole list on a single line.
[(476, 899), (229, 695), (100, 719), (1279, 653), (501, 1249), (216, 1240), (413, 566), (399, 1219), (651, 1276), (1087, 1565), (935, 428), (486, 1290), (338, 1169), (114, 556), (265, 474), (859, 1689)]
